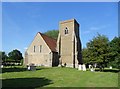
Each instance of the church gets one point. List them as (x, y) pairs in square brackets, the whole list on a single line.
[(65, 51)]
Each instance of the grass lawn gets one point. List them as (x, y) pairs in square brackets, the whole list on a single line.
[(57, 77)]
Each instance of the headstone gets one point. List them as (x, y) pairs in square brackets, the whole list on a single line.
[(84, 67), (80, 67), (32, 67), (59, 65), (95, 65), (110, 67), (90, 66), (28, 67), (1, 66), (92, 69)]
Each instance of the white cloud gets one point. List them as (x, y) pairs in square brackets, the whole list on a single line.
[(17, 49), (25, 48), (93, 29), (86, 32)]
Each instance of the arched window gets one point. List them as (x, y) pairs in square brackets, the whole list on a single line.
[(66, 30), (34, 48), (40, 49)]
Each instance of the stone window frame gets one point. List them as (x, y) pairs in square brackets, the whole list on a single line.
[(66, 30), (40, 48), (34, 48)]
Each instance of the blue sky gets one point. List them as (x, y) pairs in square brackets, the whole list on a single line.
[(21, 21)]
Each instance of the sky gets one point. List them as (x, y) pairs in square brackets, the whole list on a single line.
[(22, 20), (119, 19)]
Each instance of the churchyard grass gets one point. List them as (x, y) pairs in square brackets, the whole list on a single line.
[(57, 77)]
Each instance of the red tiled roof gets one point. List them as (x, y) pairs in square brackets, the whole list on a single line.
[(50, 42)]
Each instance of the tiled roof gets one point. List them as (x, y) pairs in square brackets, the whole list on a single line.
[(52, 43)]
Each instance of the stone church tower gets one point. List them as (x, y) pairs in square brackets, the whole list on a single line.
[(69, 44)]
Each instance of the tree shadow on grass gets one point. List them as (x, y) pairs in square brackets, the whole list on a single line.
[(15, 69), (109, 70), (25, 82)]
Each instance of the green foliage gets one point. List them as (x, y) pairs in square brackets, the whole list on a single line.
[(102, 51), (21, 62), (115, 52), (3, 56), (97, 50), (15, 55), (52, 33), (86, 55)]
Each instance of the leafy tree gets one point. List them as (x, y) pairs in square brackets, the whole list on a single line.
[(15, 55), (97, 50), (3, 56), (85, 55), (115, 52), (52, 33)]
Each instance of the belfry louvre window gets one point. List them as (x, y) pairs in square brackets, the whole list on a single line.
[(66, 30), (34, 48), (40, 49)]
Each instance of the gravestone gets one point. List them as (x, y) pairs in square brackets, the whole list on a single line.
[(95, 65), (80, 67), (28, 67), (1, 66), (92, 69), (84, 67), (110, 67), (90, 66), (31, 67)]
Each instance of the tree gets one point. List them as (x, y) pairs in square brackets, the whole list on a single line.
[(85, 56), (52, 33), (3, 56), (15, 55), (115, 52), (97, 50)]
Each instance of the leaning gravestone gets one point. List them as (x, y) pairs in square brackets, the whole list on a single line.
[(92, 69)]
